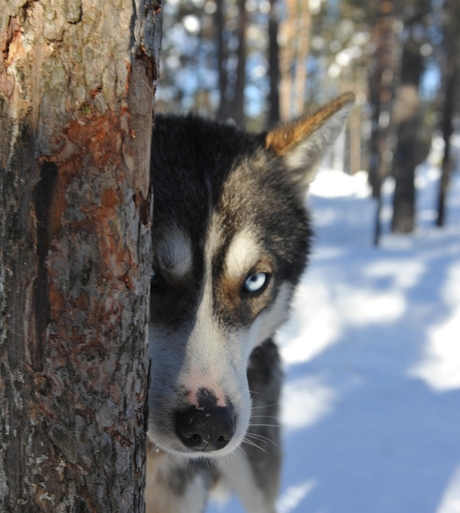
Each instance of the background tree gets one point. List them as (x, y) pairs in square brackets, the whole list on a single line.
[(294, 33), (273, 65), (381, 94), (224, 109), (451, 86), (407, 117), (238, 97), (76, 88)]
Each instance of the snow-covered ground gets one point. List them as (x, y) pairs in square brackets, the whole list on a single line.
[(371, 406)]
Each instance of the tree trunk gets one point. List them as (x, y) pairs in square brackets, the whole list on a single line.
[(408, 123), (287, 33), (76, 88), (238, 100), (354, 132), (381, 85), (274, 67), (295, 36), (451, 75), (219, 19), (302, 48)]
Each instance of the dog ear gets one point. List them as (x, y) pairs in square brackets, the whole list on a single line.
[(304, 142)]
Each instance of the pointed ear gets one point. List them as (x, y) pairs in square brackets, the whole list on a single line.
[(303, 143)]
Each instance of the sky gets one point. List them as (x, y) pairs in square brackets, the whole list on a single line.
[(371, 402)]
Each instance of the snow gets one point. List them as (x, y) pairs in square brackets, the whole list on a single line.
[(371, 403)]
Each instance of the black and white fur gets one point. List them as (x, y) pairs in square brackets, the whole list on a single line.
[(230, 240)]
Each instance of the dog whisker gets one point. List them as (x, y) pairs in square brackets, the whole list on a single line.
[(233, 455), (264, 406), (256, 393), (262, 438), (253, 444)]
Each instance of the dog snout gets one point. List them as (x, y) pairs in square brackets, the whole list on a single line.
[(206, 428)]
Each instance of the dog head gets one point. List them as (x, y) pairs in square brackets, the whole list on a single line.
[(231, 238)]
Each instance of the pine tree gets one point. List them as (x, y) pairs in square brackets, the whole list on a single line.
[(76, 88)]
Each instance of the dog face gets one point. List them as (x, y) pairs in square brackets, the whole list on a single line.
[(230, 241)]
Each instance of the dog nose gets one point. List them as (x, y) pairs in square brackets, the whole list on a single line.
[(206, 429)]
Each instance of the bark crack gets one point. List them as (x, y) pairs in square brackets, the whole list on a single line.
[(44, 193)]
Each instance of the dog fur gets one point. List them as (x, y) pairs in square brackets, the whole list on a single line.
[(231, 239)]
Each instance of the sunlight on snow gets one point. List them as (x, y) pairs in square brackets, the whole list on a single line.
[(320, 313), (404, 275), (304, 402), (293, 495), (310, 330), (441, 367), (450, 502), (337, 184), (363, 307)]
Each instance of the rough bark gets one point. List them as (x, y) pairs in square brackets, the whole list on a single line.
[(76, 88)]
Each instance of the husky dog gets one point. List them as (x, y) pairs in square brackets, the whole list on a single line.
[(231, 238)]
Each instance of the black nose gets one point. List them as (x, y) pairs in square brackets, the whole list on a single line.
[(207, 429)]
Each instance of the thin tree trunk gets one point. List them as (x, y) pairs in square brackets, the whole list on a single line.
[(381, 85), (355, 140), (274, 67), (408, 124), (286, 62), (451, 75), (447, 131), (295, 36), (76, 88), (219, 20), (238, 101), (302, 49)]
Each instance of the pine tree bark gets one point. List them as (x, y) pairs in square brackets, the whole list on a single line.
[(76, 88)]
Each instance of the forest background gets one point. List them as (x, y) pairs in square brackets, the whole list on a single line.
[(257, 62)]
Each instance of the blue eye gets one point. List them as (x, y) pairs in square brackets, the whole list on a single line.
[(255, 282)]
